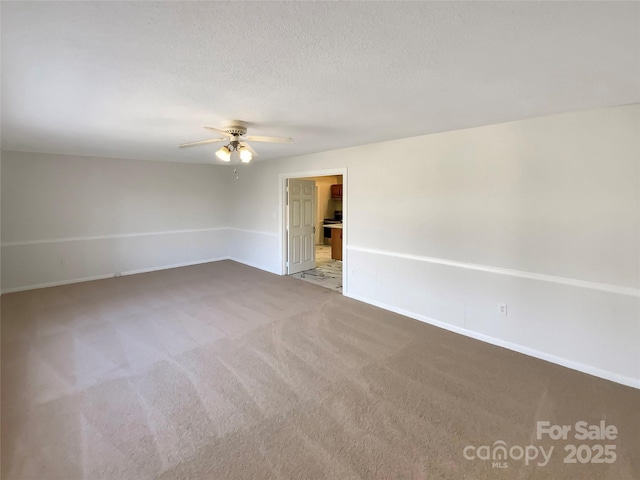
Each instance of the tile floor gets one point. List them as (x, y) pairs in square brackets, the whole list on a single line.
[(328, 272)]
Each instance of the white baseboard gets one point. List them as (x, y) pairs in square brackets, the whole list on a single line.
[(110, 275), (57, 284), (597, 372), (133, 272), (580, 367), (254, 265)]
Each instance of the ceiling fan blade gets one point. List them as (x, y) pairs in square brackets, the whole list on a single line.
[(270, 139), (218, 130), (248, 147), (202, 142)]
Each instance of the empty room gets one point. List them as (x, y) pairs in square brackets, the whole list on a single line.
[(320, 240)]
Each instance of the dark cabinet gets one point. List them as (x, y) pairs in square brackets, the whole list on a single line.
[(336, 191), (336, 243)]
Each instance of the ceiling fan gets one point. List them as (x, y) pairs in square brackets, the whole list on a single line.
[(235, 132)]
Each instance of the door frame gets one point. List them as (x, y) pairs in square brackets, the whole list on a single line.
[(282, 195)]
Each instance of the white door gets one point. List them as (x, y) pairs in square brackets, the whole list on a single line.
[(301, 214)]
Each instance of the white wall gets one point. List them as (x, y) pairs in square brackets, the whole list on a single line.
[(541, 214), (68, 218)]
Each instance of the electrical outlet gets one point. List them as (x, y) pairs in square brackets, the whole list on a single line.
[(353, 272), (502, 309)]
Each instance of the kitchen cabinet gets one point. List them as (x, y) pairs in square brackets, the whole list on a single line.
[(336, 191), (336, 240), (336, 243)]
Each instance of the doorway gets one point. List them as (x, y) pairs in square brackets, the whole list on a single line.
[(313, 233)]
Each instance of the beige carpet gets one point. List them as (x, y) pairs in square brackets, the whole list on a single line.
[(221, 371)]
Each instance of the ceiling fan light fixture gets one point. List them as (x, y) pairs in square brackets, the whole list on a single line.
[(234, 135), (224, 154), (245, 155)]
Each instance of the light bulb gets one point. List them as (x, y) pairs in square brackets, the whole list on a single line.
[(245, 154), (224, 154)]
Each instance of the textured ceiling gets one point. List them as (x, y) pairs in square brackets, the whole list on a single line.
[(134, 79)]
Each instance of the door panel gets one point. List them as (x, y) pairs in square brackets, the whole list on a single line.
[(300, 226)]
